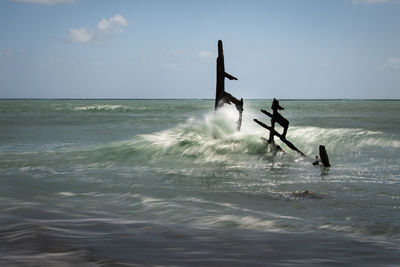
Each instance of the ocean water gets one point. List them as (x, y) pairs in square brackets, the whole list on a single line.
[(171, 183)]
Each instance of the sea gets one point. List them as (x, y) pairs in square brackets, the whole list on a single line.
[(173, 183)]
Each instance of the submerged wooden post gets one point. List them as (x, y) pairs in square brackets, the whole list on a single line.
[(324, 156), (222, 97)]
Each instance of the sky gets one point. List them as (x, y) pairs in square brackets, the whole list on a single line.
[(298, 49)]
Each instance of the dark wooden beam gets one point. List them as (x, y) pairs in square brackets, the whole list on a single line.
[(220, 75), (324, 156), (283, 139), (266, 113)]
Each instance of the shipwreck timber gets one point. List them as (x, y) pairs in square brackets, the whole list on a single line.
[(276, 117), (222, 97)]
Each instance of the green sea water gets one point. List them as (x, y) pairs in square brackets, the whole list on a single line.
[(171, 182)]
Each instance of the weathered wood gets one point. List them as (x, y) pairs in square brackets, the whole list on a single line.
[(220, 76), (283, 139), (273, 145), (221, 96), (266, 113), (278, 118), (324, 156), (230, 98), (230, 77), (271, 132), (317, 160), (239, 122)]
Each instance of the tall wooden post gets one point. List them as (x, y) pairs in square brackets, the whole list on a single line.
[(220, 76), (221, 96)]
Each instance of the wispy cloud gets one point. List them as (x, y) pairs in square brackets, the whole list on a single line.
[(45, 2), (374, 1), (392, 64), (12, 52), (105, 28), (206, 55)]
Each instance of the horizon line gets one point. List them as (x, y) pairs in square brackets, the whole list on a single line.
[(211, 99)]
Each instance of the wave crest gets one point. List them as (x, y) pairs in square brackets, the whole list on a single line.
[(213, 139), (102, 108)]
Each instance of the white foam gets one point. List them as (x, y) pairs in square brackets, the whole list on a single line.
[(99, 108), (243, 222), (337, 228), (66, 194)]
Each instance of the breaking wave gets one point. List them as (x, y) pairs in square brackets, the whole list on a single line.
[(104, 108), (342, 140), (213, 139)]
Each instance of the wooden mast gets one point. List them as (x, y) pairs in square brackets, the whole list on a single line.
[(222, 97)]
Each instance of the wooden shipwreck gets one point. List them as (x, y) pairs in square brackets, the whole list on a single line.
[(222, 97), (276, 117)]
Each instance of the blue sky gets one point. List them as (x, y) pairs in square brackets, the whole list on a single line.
[(167, 48)]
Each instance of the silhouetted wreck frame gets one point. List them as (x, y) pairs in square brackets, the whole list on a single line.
[(222, 97), (276, 117)]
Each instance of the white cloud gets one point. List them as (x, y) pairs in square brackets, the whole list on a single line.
[(80, 35), (374, 1), (393, 64), (45, 2), (105, 28), (113, 24), (206, 55)]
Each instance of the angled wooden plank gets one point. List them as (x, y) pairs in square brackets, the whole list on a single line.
[(266, 113), (230, 77), (284, 140)]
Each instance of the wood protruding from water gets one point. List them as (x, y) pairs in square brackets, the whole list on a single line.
[(276, 117), (222, 97), (324, 156), (281, 137)]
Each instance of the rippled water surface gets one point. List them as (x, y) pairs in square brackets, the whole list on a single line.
[(170, 182)]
